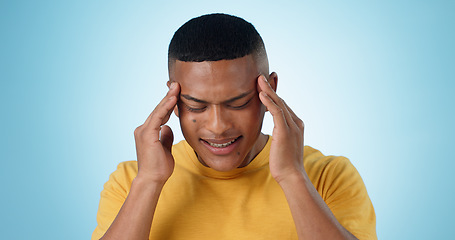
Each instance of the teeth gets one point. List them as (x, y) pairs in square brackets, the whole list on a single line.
[(222, 145)]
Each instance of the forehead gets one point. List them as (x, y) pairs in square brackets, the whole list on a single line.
[(217, 80)]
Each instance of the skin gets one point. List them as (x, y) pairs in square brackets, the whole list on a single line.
[(219, 102), (216, 90)]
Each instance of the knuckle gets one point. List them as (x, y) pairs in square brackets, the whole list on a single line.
[(138, 131), (156, 114), (159, 117), (300, 123), (280, 111), (276, 111)]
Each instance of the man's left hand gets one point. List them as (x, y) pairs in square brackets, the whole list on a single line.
[(286, 152)]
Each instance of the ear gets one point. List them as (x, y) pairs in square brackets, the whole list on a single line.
[(176, 108), (273, 80)]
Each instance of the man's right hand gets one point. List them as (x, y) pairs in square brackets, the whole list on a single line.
[(155, 161), (156, 164)]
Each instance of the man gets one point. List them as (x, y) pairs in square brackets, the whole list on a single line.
[(228, 180)]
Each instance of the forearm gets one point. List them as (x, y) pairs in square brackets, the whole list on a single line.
[(312, 217), (134, 219)]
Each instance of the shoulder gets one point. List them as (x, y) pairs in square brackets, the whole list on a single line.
[(180, 148), (314, 160), (330, 173), (341, 187), (120, 180), (126, 171), (127, 166)]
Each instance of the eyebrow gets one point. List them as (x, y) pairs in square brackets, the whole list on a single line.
[(190, 98)]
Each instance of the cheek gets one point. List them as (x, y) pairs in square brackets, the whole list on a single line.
[(191, 123), (251, 118), (257, 109), (187, 121)]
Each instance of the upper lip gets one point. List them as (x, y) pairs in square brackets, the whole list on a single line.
[(219, 141)]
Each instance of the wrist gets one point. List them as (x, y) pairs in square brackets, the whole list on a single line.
[(144, 184), (292, 178)]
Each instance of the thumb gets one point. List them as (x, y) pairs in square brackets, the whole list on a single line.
[(167, 137)]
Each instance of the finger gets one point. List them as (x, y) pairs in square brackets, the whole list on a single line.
[(174, 90), (265, 87), (167, 137), (277, 112), (295, 118), (162, 114)]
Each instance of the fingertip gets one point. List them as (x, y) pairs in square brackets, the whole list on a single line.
[(264, 96), (265, 81), (261, 78), (173, 86)]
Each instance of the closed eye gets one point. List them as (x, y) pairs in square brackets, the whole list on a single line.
[(197, 110), (241, 106)]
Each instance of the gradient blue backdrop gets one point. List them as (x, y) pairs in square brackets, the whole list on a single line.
[(373, 80)]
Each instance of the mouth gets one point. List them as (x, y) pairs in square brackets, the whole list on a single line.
[(221, 147)]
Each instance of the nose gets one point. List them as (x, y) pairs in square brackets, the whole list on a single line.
[(218, 121)]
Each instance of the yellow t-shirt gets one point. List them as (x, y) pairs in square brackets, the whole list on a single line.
[(247, 203)]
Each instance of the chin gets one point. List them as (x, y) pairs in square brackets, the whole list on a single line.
[(222, 164)]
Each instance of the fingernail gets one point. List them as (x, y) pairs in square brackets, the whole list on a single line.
[(172, 85), (264, 78)]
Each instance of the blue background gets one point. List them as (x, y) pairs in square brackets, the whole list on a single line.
[(373, 81)]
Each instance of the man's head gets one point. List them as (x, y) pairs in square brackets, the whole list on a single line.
[(217, 59), (216, 37)]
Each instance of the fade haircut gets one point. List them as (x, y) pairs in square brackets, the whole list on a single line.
[(215, 37)]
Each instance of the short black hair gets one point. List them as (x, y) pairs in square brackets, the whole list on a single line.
[(214, 37)]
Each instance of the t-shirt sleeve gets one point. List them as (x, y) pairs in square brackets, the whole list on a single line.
[(346, 195), (113, 196)]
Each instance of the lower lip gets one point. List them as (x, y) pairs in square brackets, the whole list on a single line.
[(221, 151)]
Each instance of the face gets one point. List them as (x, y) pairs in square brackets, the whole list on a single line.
[(219, 110)]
